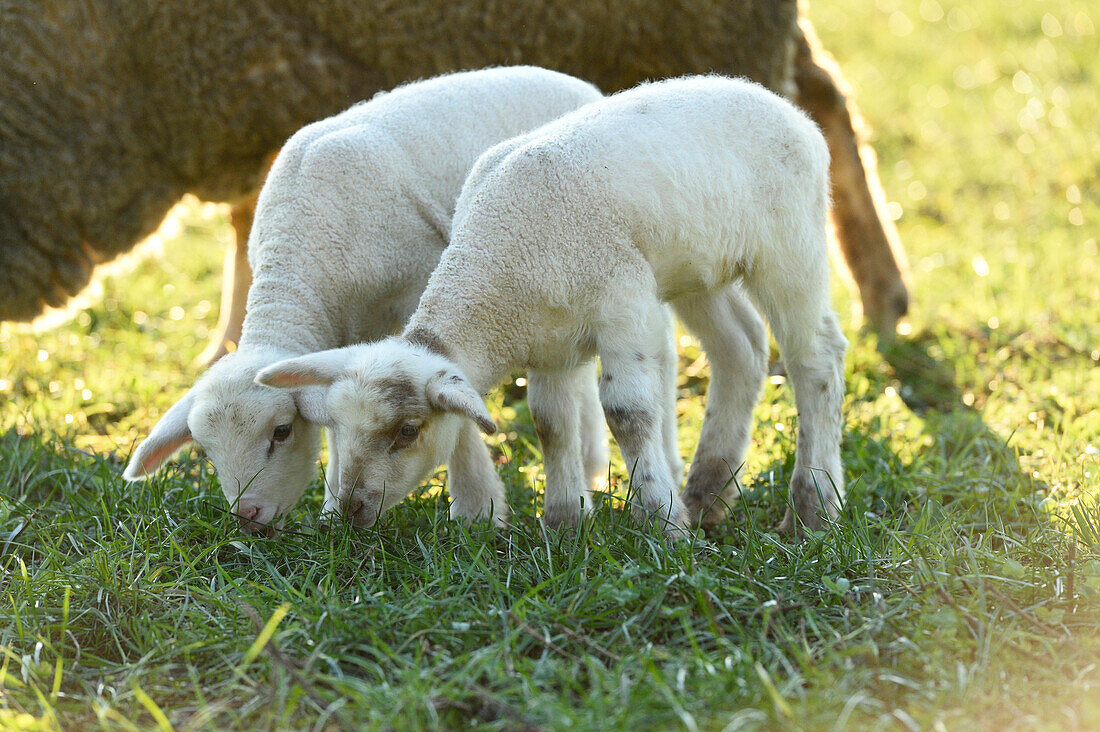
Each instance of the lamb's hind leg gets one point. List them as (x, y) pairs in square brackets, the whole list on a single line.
[(669, 427), (555, 398), (735, 342), (817, 376), (812, 348), (593, 432), (634, 352)]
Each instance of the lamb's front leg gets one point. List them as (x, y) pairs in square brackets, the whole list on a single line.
[(631, 391), (477, 492), (555, 398), (669, 427)]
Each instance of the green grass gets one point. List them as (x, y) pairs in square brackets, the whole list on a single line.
[(961, 591)]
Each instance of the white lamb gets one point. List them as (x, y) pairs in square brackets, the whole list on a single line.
[(566, 242), (348, 227)]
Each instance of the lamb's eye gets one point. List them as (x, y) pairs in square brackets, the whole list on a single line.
[(408, 432), (281, 433)]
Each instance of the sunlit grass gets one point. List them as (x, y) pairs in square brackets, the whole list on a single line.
[(962, 588)]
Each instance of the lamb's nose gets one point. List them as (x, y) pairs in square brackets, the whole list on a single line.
[(247, 515), (357, 514), (247, 511)]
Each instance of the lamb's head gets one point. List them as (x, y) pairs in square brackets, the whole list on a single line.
[(263, 442), (396, 409)]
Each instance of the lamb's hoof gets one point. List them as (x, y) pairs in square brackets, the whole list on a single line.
[(814, 519), (329, 520), (498, 515), (705, 510), (814, 503), (711, 489), (562, 516), (789, 527), (672, 521), (677, 531)]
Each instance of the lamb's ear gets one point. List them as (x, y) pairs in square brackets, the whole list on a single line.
[(311, 404), (316, 369), (170, 434), (449, 391)]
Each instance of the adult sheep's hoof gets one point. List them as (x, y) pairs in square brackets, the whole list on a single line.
[(884, 306)]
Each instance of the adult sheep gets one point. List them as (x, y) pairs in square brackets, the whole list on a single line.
[(110, 112), (349, 226), (567, 242)]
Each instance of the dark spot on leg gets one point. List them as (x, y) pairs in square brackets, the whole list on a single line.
[(639, 356), (545, 429), (628, 420)]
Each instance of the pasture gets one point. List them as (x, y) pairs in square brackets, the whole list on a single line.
[(960, 591)]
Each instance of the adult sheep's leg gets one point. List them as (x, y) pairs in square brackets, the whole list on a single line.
[(867, 238), (475, 487), (736, 345), (554, 398), (236, 279), (634, 351)]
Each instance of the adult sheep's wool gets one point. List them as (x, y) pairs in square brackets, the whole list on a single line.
[(110, 112)]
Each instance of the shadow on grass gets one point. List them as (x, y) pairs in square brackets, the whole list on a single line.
[(964, 460), (928, 385)]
